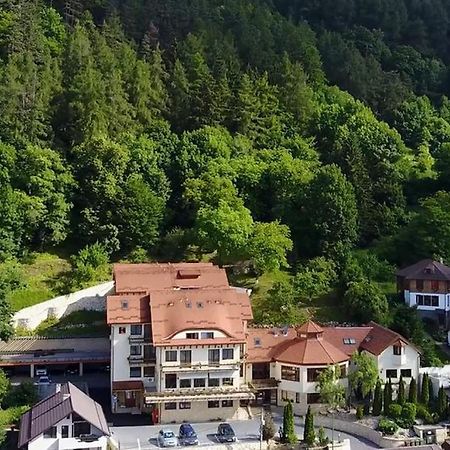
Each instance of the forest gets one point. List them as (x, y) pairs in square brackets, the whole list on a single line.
[(311, 137)]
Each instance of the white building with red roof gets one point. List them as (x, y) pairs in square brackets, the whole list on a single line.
[(284, 364)]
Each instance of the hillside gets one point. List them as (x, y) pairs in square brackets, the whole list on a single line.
[(301, 136)]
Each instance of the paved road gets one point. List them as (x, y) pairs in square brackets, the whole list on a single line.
[(144, 437)]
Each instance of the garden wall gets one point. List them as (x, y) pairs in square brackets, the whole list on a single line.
[(360, 430), (93, 299)]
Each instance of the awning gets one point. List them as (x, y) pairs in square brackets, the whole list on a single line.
[(169, 397), (136, 385)]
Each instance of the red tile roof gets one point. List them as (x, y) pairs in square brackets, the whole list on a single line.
[(154, 277), (332, 345), (136, 311), (380, 338), (219, 309)]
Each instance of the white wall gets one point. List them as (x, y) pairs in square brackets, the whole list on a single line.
[(93, 298), (444, 300), (408, 360)]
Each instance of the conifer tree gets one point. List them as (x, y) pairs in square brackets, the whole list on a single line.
[(442, 403), (401, 396), (179, 88), (412, 394), (309, 434), (289, 435), (378, 399), (425, 391), (387, 396)]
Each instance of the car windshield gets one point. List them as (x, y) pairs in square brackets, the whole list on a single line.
[(227, 430), (168, 434)]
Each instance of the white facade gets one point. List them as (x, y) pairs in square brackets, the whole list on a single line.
[(392, 365), (432, 301), (58, 442)]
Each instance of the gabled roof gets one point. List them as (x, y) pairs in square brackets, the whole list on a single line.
[(427, 269), (309, 327), (48, 412), (136, 311), (220, 309), (380, 338)]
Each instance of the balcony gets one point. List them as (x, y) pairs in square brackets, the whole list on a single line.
[(84, 441), (206, 365), (139, 339), (142, 359)]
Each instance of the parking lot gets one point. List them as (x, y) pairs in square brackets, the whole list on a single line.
[(145, 437)]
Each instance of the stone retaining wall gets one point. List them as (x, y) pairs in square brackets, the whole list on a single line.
[(93, 299)]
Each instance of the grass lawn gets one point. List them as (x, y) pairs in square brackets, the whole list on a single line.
[(42, 274), (77, 323)]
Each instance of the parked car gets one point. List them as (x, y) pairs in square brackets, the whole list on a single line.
[(187, 435), (44, 381), (167, 438), (225, 433)]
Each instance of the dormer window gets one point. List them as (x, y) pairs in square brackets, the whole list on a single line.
[(124, 304)]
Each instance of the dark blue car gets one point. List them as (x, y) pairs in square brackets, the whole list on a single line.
[(187, 435)]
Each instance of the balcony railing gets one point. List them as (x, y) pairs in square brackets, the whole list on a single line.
[(139, 359), (139, 338)]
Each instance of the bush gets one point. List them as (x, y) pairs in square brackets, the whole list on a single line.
[(423, 413), (387, 426), (24, 394), (395, 411), (359, 412), (322, 437)]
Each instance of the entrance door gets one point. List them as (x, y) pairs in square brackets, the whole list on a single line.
[(130, 399)]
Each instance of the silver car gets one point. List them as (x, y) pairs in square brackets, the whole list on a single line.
[(167, 438)]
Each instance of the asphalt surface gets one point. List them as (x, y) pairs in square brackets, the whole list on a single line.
[(145, 437)]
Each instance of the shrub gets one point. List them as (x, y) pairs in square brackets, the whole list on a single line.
[(423, 413), (322, 437), (268, 428), (408, 415), (395, 411), (359, 412), (387, 426)]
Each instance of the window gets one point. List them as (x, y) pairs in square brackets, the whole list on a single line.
[(185, 357), (228, 353), (184, 405), (419, 300), (191, 336), (122, 330), (290, 373), (434, 300), (213, 356), (343, 371), (65, 431), (207, 335), (349, 341), (171, 405), (227, 403), (186, 383), (406, 373), (135, 372), (297, 397), (80, 428), (257, 342), (213, 404), (419, 285), (213, 382), (171, 355), (312, 374), (199, 382), (397, 349), (135, 350), (171, 381), (391, 373), (124, 304), (434, 285), (312, 398), (50, 433), (149, 371), (227, 381), (136, 330)]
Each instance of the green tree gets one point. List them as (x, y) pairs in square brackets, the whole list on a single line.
[(378, 399), (365, 302), (322, 437), (289, 435), (268, 429), (5, 384), (442, 403), (387, 396), (412, 393), (268, 245), (309, 435), (328, 386), (365, 376), (330, 214), (425, 390), (401, 396)]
